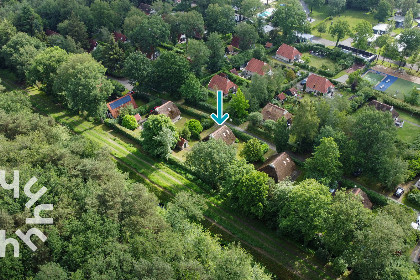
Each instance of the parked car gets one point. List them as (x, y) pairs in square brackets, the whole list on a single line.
[(399, 192), (303, 82)]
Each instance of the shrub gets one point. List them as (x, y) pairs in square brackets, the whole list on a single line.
[(185, 133), (414, 197), (254, 150), (195, 128), (207, 123), (129, 122), (255, 119)]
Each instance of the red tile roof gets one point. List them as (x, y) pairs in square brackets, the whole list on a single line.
[(221, 83), (287, 51), (318, 83), (268, 45), (234, 71), (281, 96), (126, 100), (257, 66), (50, 32)]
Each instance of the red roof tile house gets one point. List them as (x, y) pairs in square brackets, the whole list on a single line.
[(288, 53), (120, 37), (115, 106), (170, 110), (274, 112), (279, 167), (256, 66), (221, 82), (182, 144), (318, 84)]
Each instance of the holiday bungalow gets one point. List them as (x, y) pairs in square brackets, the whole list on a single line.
[(288, 53), (256, 66), (221, 82), (280, 167), (274, 112), (115, 106), (318, 84), (223, 133), (170, 110)]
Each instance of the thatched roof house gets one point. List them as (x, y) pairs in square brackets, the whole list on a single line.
[(224, 133), (274, 112), (279, 167), (170, 110)]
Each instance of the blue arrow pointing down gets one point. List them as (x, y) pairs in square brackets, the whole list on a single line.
[(219, 118)]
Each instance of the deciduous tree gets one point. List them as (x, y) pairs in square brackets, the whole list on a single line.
[(339, 30)]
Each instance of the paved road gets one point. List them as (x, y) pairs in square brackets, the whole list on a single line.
[(123, 81)]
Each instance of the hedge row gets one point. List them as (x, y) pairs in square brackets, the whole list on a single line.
[(397, 103), (192, 112), (241, 135), (122, 130)]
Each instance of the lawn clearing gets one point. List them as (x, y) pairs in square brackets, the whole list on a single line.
[(409, 132), (318, 62), (353, 17), (401, 87)]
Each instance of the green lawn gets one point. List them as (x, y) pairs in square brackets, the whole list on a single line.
[(373, 78), (401, 87), (408, 132), (317, 62), (353, 17)]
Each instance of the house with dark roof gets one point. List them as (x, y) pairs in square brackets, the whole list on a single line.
[(256, 66), (287, 53), (387, 108), (170, 110), (280, 167), (274, 112), (235, 42), (115, 106), (318, 84), (119, 37), (363, 196), (50, 32), (291, 91), (221, 82), (223, 133)]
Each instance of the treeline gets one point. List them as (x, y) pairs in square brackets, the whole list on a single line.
[(105, 226), (373, 244)]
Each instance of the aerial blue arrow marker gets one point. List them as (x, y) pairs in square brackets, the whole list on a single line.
[(219, 118)]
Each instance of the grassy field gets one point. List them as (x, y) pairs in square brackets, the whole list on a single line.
[(317, 62), (351, 16), (284, 258), (409, 131), (401, 87), (373, 78)]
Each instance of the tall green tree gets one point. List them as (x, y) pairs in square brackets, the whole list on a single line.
[(170, 72), (159, 136), (217, 52), (410, 40), (339, 30), (138, 69), (76, 29), (111, 56), (290, 19), (315, 3), (253, 191), (247, 34), (408, 20), (362, 32), (27, 20), (304, 214), (254, 150), (220, 19), (149, 33), (192, 90), (336, 6), (250, 8), (44, 67), (325, 165), (305, 126), (383, 11), (7, 31), (81, 81), (19, 51), (210, 160), (199, 54), (281, 135), (239, 105)]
